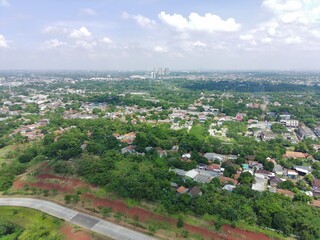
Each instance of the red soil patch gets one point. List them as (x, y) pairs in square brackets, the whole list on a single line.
[(228, 233), (245, 233), (64, 184), (120, 206), (51, 186), (17, 184), (207, 234), (69, 233), (73, 181), (69, 185)]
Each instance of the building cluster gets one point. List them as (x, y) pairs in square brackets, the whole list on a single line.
[(159, 72)]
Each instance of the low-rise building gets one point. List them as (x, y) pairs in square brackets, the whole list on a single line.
[(303, 170), (305, 132), (261, 183)]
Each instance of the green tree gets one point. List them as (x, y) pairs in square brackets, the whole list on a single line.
[(180, 222), (282, 222), (6, 228), (229, 171), (289, 185), (246, 178), (301, 197), (278, 128)]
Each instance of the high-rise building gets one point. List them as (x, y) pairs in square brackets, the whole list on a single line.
[(161, 71), (153, 75)]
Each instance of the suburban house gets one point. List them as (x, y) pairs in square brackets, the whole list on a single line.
[(226, 180), (316, 187), (295, 155), (305, 132), (128, 149), (261, 183), (303, 170), (182, 190), (214, 156), (292, 174), (195, 192), (274, 181), (214, 168), (255, 165), (264, 173), (278, 169)]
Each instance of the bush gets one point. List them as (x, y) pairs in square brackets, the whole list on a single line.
[(105, 211), (71, 198), (6, 228), (180, 222)]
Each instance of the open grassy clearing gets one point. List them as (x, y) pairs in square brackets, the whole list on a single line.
[(35, 224), (5, 153)]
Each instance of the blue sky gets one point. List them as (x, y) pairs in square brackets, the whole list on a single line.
[(143, 34)]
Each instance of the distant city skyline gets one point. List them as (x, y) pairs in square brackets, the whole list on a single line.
[(147, 34)]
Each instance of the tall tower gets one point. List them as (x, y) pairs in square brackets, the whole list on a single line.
[(224, 91), (222, 106), (153, 75)]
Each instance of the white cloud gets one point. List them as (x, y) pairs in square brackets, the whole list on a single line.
[(266, 40), (55, 30), (4, 3), (207, 23), (246, 37), (270, 27), (272, 31), (199, 44), (292, 22), (160, 49), (141, 20), (106, 40), (316, 33), (85, 44), (294, 17), (3, 42), (54, 43), (144, 21), (283, 5), (88, 12), (295, 11), (292, 40), (125, 15), (80, 33), (249, 39)]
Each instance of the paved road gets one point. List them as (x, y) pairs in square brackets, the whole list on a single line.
[(81, 219)]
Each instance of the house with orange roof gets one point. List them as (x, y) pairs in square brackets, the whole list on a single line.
[(295, 155), (228, 180), (181, 190)]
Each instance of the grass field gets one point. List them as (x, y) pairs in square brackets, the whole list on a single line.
[(35, 224), (199, 131), (4, 152)]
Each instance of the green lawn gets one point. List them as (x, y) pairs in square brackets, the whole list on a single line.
[(35, 224), (199, 131)]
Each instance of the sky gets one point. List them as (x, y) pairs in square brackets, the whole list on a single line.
[(145, 34)]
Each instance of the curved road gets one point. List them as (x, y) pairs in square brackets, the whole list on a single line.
[(81, 219)]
